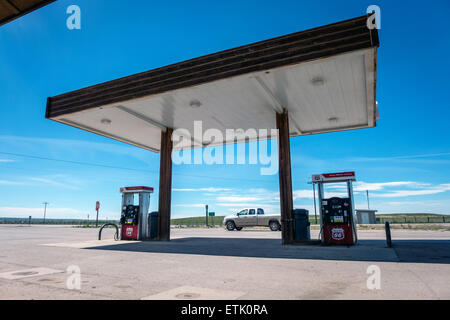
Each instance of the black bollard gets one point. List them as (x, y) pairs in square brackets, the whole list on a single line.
[(388, 234)]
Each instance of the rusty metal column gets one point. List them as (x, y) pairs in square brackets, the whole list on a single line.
[(284, 174), (165, 185)]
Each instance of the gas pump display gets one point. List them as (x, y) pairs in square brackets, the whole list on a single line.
[(130, 215), (337, 223), (336, 210)]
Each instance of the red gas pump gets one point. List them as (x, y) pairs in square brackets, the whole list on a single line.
[(134, 218), (337, 218)]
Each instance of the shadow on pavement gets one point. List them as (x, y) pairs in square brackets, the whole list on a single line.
[(412, 251), (422, 251)]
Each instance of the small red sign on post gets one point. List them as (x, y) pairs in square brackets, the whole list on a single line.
[(97, 207)]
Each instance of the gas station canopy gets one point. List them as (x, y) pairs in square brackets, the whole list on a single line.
[(13, 9), (325, 77)]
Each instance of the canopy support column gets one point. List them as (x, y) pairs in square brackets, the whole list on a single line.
[(165, 185), (284, 174)]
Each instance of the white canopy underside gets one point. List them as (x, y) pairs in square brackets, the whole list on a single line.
[(330, 94)]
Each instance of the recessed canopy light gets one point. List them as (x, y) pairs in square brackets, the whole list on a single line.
[(318, 81), (105, 121), (195, 103)]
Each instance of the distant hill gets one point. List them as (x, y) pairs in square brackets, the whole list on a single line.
[(411, 214), (9, 220), (414, 218), (392, 217), (199, 221)]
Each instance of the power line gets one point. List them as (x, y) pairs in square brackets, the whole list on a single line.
[(125, 168), (73, 162)]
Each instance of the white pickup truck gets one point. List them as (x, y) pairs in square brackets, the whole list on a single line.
[(251, 217)]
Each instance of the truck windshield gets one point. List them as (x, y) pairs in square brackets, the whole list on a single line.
[(243, 213)]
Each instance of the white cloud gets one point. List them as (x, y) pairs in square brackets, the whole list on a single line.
[(391, 189), (379, 189), (426, 155), (79, 147), (234, 200), (305, 193), (308, 194), (56, 180), (55, 213), (51, 182), (309, 207), (211, 189), (238, 199), (6, 160), (373, 186), (335, 194), (411, 206), (259, 190), (39, 212), (407, 193), (236, 207), (191, 205), (11, 183)]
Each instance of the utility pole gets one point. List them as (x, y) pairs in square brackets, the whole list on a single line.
[(367, 193), (45, 209), (206, 208)]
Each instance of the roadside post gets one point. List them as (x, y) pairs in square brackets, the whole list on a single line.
[(206, 208), (212, 215), (97, 207), (388, 234)]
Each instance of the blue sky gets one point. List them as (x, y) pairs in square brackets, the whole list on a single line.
[(403, 162)]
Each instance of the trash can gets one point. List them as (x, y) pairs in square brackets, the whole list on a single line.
[(301, 225), (153, 224)]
